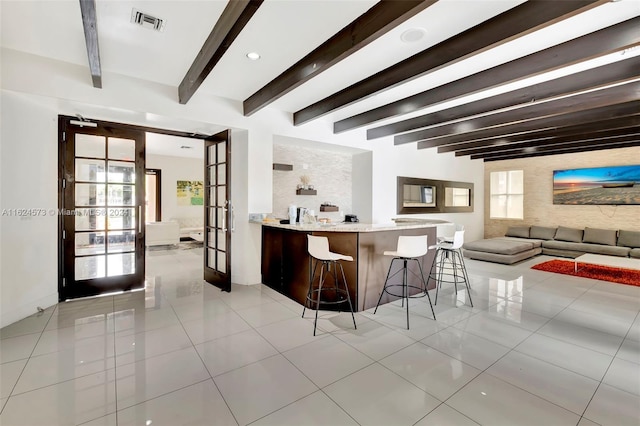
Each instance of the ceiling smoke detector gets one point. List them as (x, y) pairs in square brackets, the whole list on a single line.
[(147, 21)]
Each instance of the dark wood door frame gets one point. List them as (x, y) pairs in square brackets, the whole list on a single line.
[(71, 286), (62, 132), (158, 174), (218, 214)]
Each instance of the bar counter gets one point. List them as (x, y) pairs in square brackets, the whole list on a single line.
[(286, 264)]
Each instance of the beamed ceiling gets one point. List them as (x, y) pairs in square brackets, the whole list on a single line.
[(489, 79)]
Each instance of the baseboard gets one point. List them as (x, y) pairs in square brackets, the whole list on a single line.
[(27, 309)]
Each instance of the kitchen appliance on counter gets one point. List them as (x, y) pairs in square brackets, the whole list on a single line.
[(350, 218), (301, 211), (292, 214)]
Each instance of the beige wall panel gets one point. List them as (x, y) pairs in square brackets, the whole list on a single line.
[(538, 193)]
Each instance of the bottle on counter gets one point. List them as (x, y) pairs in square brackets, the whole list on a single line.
[(293, 212)]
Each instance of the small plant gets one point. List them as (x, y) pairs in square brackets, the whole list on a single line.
[(305, 181)]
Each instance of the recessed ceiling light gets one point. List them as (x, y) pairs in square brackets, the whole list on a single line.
[(412, 35), (254, 56)]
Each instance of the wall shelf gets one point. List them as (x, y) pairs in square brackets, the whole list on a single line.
[(283, 167), (306, 192), (329, 208)]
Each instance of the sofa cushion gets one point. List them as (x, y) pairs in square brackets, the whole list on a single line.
[(506, 259), (586, 248), (629, 238), (518, 231), (635, 253), (542, 232), (568, 234), (600, 236), (533, 241), (499, 246)]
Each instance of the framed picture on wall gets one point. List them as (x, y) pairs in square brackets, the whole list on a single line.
[(190, 192), (615, 185)]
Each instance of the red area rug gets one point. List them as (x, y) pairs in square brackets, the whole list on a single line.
[(596, 272)]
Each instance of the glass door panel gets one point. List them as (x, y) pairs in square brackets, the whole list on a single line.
[(92, 146), (103, 242), (218, 211)]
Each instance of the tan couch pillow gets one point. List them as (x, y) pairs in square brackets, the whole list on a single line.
[(518, 231), (600, 236), (542, 232), (573, 235), (629, 238)]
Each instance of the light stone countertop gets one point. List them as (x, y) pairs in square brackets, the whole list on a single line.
[(358, 227)]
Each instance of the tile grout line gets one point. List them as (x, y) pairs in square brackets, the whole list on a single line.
[(605, 373), (115, 358), (536, 332), (281, 353), (202, 361), (28, 359)]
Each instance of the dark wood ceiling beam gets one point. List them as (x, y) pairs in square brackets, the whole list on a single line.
[(534, 111), (598, 43), (234, 17), (592, 78), (572, 118), (506, 147), (540, 135), (89, 23), (516, 22), (608, 136), (630, 141), (377, 21)]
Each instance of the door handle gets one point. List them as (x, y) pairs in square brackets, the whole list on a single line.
[(139, 219), (233, 217), (224, 219)]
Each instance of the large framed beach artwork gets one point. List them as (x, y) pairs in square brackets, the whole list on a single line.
[(615, 185)]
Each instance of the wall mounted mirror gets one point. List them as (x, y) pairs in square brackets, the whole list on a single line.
[(457, 197), (419, 196), (416, 195)]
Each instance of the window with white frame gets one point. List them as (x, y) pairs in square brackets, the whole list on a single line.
[(507, 195)]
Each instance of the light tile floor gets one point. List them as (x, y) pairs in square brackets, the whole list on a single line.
[(536, 349)]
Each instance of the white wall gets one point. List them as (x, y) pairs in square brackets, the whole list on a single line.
[(28, 244), (173, 170), (390, 161), (538, 193), (362, 187), (329, 172), (36, 89)]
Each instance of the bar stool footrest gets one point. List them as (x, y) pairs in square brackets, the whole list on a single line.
[(422, 293)]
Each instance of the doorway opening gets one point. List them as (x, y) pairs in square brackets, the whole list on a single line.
[(107, 197)]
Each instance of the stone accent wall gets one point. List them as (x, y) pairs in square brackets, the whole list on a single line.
[(329, 173), (538, 193)]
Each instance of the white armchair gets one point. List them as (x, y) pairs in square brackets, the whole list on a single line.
[(189, 225), (162, 233)]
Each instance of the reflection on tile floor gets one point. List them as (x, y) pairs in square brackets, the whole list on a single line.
[(536, 348)]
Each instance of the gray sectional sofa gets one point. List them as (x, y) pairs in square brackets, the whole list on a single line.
[(523, 242)]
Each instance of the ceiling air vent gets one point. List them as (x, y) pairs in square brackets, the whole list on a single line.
[(147, 21)]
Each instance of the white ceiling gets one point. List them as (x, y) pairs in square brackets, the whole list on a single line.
[(174, 146), (282, 31)]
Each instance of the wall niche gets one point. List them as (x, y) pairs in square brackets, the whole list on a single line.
[(416, 195)]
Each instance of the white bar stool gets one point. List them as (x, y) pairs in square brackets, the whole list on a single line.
[(410, 248), (448, 265), (318, 248)]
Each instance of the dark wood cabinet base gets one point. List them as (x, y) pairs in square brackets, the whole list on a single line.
[(286, 265)]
